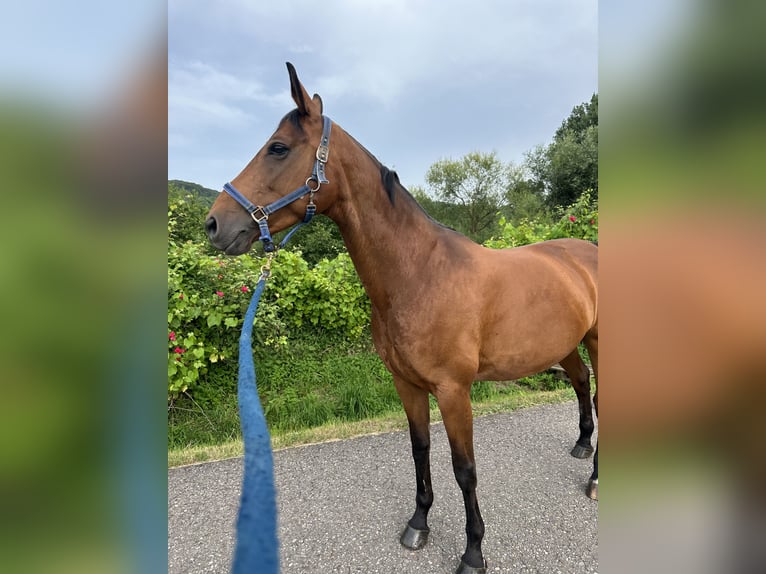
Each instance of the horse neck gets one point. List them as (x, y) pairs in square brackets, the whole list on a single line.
[(387, 241)]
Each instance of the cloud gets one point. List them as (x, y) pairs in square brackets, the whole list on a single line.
[(200, 82), (411, 79), (201, 96), (378, 49)]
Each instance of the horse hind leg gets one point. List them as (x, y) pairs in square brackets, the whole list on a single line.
[(592, 490), (579, 375), (591, 343)]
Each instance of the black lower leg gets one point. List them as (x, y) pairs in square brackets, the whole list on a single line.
[(465, 474), (424, 496), (579, 375), (415, 534), (586, 422), (583, 447), (593, 482)]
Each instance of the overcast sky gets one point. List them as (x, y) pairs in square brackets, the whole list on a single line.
[(414, 81)]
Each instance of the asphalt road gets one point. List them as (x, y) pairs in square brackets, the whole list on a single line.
[(342, 505)]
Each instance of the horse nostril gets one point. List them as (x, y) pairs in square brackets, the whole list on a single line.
[(211, 227)]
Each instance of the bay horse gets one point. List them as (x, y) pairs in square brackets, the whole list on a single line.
[(445, 311)]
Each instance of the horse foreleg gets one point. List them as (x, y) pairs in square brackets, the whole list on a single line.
[(580, 379), (455, 406), (415, 401)]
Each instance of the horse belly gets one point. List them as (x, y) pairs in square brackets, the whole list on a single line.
[(512, 349), (515, 367), (546, 306)]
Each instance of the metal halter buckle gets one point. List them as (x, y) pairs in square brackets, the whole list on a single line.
[(323, 152), (313, 178), (263, 215)]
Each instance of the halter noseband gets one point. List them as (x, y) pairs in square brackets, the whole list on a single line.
[(261, 214)]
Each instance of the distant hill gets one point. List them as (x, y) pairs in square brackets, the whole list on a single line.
[(205, 194)]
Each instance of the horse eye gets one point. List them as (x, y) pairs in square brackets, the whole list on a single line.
[(278, 149)]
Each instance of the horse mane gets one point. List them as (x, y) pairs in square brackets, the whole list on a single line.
[(388, 177), (393, 187), (391, 182)]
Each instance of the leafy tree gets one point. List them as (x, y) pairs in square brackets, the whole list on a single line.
[(569, 165), (573, 162), (524, 198), (580, 119), (477, 182), (446, 213)]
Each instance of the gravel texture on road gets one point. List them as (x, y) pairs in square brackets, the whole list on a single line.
[(343, 504)]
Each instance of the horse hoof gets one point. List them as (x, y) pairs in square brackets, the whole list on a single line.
[(413, 538), (580, 451), (593, 489), (466, 569)]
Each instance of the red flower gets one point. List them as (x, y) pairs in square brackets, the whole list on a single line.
[(244, 289), (181, 296), (172, 336), (572, 218), (592, 221), (179, 350), (219, 293)]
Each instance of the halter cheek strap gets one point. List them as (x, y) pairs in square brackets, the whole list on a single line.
[(261, 214)]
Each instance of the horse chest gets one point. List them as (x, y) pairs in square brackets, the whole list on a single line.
[(421, 352), (393, 343)]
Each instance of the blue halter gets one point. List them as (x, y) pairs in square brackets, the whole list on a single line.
[(261, 214)]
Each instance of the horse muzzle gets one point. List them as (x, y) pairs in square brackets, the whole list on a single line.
[(234, 241)]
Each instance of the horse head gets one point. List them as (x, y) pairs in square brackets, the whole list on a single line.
[(281, 170)]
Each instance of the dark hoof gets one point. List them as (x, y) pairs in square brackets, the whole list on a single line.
[(580, 451), (413, 538), (593, 489), (466, 569)]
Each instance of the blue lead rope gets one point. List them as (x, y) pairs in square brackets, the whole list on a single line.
[(257, 550)]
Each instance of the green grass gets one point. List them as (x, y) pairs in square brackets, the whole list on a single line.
[(318, 390), (339, 430)]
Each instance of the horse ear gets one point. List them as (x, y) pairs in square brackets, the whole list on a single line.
[(299, 93), (318, 101)]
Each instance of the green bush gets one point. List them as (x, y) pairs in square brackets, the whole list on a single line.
[(208, 296), (329, 295), (579, 220), (186, 216)]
